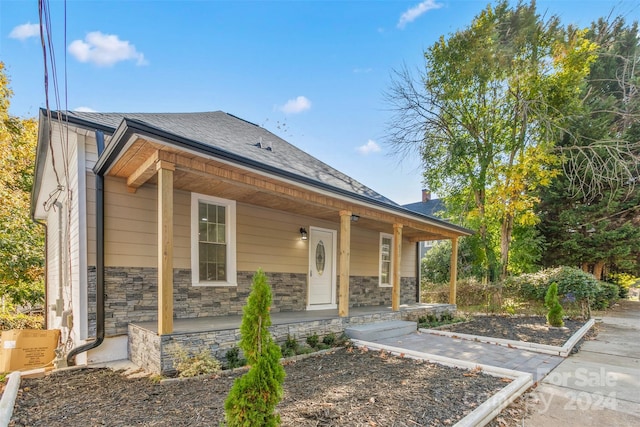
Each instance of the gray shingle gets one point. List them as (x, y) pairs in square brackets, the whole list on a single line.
[(234, 135)]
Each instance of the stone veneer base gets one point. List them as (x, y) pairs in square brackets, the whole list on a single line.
[(152, 352)]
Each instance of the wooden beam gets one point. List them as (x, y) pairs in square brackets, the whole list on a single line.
[(453, 274), (345, 258), (396, 267), (235, 176), (144, 172), (165, 248)]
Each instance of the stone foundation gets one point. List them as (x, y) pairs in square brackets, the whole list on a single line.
[(153, 353)]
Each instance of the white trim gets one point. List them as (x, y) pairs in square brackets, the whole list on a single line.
[(334, 248), (230, 205), (83, 272), (380, 284)]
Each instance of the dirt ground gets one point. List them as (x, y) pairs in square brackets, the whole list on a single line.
[(533, 329), (349, 387)]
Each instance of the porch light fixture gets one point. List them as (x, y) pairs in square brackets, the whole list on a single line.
[(303, 233), (355, 218)]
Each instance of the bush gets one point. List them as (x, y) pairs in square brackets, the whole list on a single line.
[(290, 347), (20, 321), (233, 358), (329, 339), (313, 340), (192, 365), (253, 397), (554, 316)]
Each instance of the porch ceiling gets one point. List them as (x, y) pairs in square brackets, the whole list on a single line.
[(195, 173)]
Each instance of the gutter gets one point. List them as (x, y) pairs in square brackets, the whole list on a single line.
[(130, 127), (99, 262)]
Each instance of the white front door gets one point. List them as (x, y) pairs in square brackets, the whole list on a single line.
[(322, 269)]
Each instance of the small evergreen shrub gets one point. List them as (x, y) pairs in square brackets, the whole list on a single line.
[(329, 339), (233, 358), (551, 301), (290, 347), (191, 365), (253, 398), (313, 340)]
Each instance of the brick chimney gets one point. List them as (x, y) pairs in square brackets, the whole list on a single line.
[(426, 196)]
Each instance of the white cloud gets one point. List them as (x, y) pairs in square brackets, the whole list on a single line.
[(370, 147), (85, 110), (24, 31), (297, 105), (104, 50), (412, 14)]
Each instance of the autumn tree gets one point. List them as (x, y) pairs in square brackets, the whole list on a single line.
[(484, 116), (21, 240)]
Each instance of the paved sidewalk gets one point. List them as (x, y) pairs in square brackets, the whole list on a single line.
[(536, 364), (599, 385)]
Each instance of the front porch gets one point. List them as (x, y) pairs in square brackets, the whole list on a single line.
[(150, 350)]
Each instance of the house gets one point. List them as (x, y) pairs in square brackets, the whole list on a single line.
[(429, 207), (156, 224)]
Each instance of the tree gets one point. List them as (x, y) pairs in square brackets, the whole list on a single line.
[(254, 396), (21, 240), (591, 215), (489, 106)]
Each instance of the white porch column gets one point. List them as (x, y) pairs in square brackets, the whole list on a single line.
[(345, 259), (165, 247)]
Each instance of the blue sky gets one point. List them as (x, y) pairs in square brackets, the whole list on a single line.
[(313, 72)]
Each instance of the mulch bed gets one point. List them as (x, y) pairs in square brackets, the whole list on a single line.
[(532, 329), (349, 387)]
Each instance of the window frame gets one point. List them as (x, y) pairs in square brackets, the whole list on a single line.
[(230, 239), (380, 261)]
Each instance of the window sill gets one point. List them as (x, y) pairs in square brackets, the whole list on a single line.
[(215, 284)]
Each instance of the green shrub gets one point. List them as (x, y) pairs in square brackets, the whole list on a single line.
[(329, 339), (555, 313), (253, 397), (313, 340), (233, 358), (192, 365), (290, 347)]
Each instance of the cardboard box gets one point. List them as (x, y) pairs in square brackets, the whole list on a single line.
[(24, 349)]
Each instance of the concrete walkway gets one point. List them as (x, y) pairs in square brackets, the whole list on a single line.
[(536, 364), (599, 385)]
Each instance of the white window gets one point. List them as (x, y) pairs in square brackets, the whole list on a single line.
[(213, 236), (386, 245)]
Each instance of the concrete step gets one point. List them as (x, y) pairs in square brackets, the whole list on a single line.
[(381, 330)]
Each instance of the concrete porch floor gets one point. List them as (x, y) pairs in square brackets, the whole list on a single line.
[(220, 323)]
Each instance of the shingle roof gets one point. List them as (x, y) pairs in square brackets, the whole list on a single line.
[(433, 207), (240, 137)]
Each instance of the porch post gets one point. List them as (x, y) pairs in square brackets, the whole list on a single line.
[(165, 247), (453, 273), (345, 257), (397, 255)]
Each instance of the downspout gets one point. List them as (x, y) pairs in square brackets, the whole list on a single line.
[(99, 262)]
